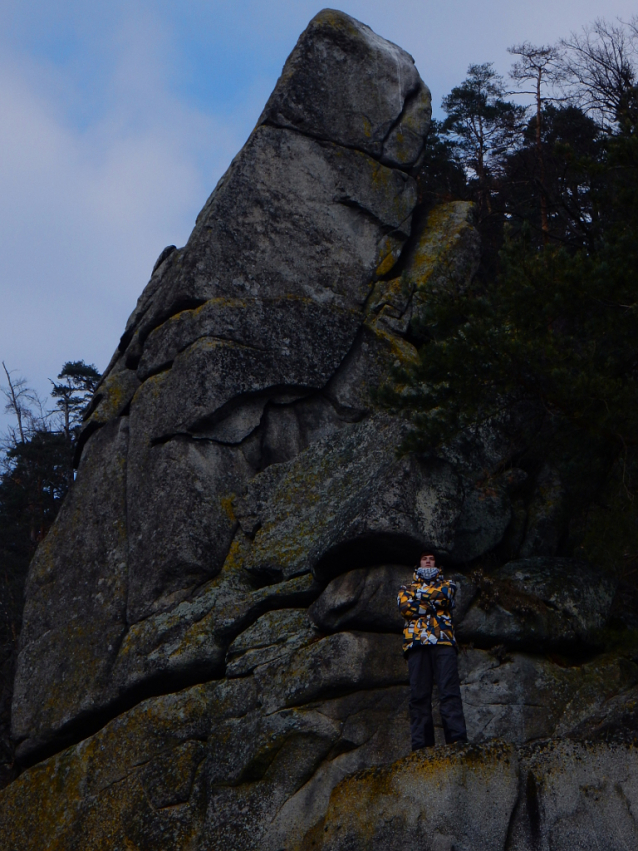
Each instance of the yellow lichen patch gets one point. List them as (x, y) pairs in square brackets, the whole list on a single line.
[(396, 347), (236, 556), (444, 227), (338, 21), (103, 794), (116, 392), (226, 503), (387, 263)]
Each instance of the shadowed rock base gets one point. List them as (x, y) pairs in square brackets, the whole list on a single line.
[(561, 796), (205, 769)]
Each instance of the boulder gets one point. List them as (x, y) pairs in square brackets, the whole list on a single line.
[(189, 643), (445, 246), (341, 663), (362, 599), (520, 697), (179, 518), (366, 599), (211, 652), (275, 636), (347, 500), (204, 767), (540, 603), (350, 217), (274, 754), (576, 795), (461, 800), (614, 719), (468, 798)]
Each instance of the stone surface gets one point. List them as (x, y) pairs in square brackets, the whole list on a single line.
[(274, 756), (366, 598), (362, 599), (325, 92), (310, 341), (576, 796), (204, 766), (460, 798), (75, 611), (560, 796), (179, 518), (274, 637), (521, 697), (546, 515), (190, 776), (347, 500), (189, 642), (541, 603), (221, 371), (350, 215), (614, 719)]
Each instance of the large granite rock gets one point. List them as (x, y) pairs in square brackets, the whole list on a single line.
[(541, 604), (366, 598), (221, 372), (267, 758), (325, 91), (561, 796), (211, 646), (75, 610)]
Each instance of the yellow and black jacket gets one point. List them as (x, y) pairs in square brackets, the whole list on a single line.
[(427, 609)]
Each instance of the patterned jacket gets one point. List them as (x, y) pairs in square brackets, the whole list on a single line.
[(427, 609)]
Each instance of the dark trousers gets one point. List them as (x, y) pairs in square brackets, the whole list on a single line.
[(428, 664)]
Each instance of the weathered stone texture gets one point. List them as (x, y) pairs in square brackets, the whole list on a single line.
[(325, 91), (557, 796), (75, 612), (540, 604)]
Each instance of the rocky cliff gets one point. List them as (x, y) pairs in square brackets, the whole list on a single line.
[(211, 652)]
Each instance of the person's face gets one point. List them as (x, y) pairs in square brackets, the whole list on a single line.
[(427, 561)]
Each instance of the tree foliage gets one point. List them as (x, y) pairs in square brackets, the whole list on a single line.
[(482, 125), (549, 324)]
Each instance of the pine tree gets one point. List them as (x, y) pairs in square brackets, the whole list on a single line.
[(482, 125)]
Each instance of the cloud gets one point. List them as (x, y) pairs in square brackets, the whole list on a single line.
[(85, 210)]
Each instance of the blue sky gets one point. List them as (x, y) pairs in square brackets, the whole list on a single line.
[(118, 118)]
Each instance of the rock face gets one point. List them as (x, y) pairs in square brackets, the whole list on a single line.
[(480, 799), (211, 653), (541, 604)]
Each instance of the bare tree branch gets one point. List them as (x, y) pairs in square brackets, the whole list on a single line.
[(600, 66)]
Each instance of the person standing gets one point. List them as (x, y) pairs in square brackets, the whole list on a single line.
[(430, 647)]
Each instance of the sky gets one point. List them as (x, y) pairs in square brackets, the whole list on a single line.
[(118, 118)]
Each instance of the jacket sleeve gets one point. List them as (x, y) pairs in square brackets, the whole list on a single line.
[(408, 602), (438, 596)]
